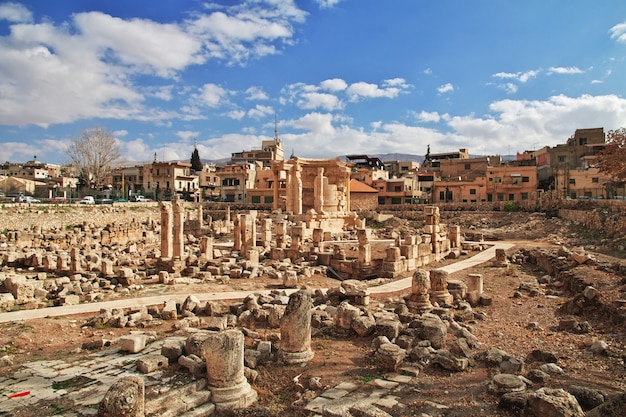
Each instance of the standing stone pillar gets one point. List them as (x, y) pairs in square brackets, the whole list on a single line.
[(297, 237), (419, 300), (318, 189), (281, 233), (200, 215), (179, 224), (501, 259), (266, 232), (439, 287), (75, 265), (475, 283), (206, 247), (365, 247), (167, 246), (237, 234), (295, 329), (223, 354)]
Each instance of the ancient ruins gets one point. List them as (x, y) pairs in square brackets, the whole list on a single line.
[(220, 340)]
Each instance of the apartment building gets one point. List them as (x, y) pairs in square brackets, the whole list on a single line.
[(166, 179), (271, 150), (209, 182), (237, 181)]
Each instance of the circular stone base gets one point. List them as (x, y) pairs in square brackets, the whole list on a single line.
[(238, 396), (294, 358)]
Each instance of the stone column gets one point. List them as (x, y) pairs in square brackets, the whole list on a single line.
[(297, 233), (419, 300), (365, 247), (266, 232), (475, 283), (439, 287), (75, 264), (319, 191), (295, 329), (223, 354), (206, 247), (281, 233), (178, 232), (200, 215), (237, 232), (167, 246)]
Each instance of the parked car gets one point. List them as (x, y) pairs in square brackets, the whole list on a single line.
[(88, 200), (27, 199), (141, 199), (104, 200)]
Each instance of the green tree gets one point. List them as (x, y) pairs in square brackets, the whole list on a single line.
[(613, 158), (93, 154), (196, 164)]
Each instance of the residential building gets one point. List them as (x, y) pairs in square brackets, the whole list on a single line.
[(166, 179), (401, 168), (127, 181), (236, 181), (271, 150), (362, 196), (209, 182)]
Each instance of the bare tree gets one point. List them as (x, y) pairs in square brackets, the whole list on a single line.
[(93, 154)]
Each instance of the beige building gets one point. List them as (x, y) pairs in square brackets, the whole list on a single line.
[(362, 196), (166, 179), (236, 181)]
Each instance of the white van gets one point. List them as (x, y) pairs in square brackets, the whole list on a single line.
[(88, 199)]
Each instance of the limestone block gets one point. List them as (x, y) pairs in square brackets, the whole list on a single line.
[(388, 327), (554, 402), (133, 343), (172, 349), (389, 356), (169, 310), (430, 327), (448, 361), (290, 279), (216, 323), (345, 314), (69, 300), (7, 301), (193, 364), (151, 363)]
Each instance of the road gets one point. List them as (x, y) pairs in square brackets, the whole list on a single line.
[(390, 287)]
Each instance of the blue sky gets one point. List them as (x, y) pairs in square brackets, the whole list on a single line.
[(340, 76)]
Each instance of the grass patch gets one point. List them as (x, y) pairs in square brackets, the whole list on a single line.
[(72, 384)]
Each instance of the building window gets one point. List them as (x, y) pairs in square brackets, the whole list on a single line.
[(468, 167), (511, 197), (473, 191), (572, 181), (396, 200), (500, 197), (442, 195), (561, 158), (489, 197), (525, 179), (524, 196), (268, 199), (256, 199), (595, 180), (582, 141), (497, 179)]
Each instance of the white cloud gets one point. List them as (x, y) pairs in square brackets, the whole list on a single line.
[(425, 116), (256, 93), (326, 4), (518, 76), (186, 135), (428, 71), (319, 100), (260, 111), (368, 90), (212, 95), (15, 12), (446, 88), (509, 88), (144, 44), (120, 133), (236, 114), (334, 84), (565, 70), (618, 32)]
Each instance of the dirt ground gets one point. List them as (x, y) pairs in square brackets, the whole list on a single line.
[(516, 323)]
